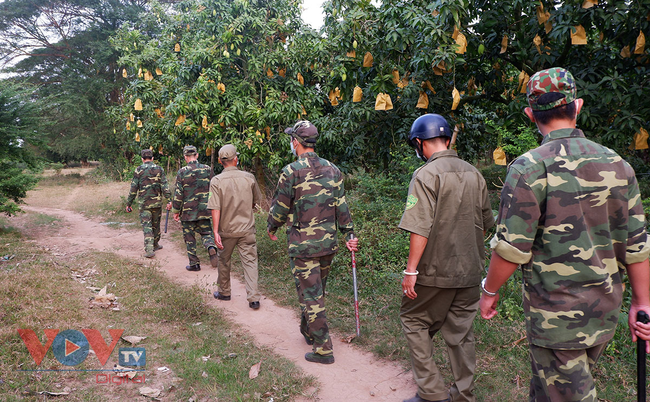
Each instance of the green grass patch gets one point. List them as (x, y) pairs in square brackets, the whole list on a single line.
[(39, 290)]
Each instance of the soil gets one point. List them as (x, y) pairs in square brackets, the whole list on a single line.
[(355, 376)]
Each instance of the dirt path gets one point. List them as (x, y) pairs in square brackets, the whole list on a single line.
[(356, 375)]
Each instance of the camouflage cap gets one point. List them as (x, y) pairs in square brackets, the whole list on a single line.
[(227, 152), (189, 150), (146, 154), (305, 132), (554, 79)]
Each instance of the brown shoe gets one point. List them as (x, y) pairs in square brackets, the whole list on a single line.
[(214, 259)]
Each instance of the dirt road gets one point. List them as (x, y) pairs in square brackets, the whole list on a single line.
[(356, 375)]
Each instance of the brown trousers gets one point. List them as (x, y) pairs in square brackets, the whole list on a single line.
[(247, 248), (450, 311)]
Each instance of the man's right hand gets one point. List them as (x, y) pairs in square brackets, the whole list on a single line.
[(128, 209), (217, 241), (272, 236)]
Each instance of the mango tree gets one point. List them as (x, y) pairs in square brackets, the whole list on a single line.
[(218, 71)]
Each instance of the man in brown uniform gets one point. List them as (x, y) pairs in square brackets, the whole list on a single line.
[(233, 196), (447, 213)]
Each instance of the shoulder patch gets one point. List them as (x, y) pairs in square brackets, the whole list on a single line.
[(411, 201)]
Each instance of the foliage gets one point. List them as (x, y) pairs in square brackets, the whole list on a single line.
[(62, 47), (514, 143), (615, 87), (18, 123), (216, 72)]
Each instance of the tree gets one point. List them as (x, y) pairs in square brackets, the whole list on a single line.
[(486, 50), (19, 120), (62, 47), (219, 71)]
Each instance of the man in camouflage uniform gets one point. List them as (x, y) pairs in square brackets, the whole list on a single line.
[(233, 196), (447, 213), (571, 216), (310, 199), (190, 206), (149, 184)]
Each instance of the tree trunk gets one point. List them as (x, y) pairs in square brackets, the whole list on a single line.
[(261, 181)]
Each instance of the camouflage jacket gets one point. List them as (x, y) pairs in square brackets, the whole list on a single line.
[(192, 192), (571, 215), (310, 199), (149, 184)]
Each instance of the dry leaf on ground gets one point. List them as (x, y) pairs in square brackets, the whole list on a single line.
[(348, 339), (121, 371), (134, 340), (150, 392), (255, 370)]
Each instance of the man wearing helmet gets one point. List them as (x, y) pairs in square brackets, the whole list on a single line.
[(571, 216), (447, 213), (310, 198)]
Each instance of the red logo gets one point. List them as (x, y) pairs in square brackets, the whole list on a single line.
[(70, 346)]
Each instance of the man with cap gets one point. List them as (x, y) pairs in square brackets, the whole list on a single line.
[(447, 213), (149, 184), (310, 199), (571, 216), (233, 197), (190, 206)]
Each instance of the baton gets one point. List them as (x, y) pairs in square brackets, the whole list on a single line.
[(166, 220), (454, 136), (356, 296), (642, 317)]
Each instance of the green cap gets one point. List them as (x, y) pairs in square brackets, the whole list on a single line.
[(305, 132), (554, 79), (189, 150), (146, 154)]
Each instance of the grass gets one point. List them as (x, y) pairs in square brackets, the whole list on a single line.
[(40, 290)]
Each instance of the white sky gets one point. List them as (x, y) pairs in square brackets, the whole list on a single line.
[(312, 13)]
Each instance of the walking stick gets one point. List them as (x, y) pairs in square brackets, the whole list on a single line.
[(166, 220), (643, 317), (356, 296)]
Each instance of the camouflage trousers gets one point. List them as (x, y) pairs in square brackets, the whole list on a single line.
[(310, 275), (563, 375), (150, 219), (202, 227)]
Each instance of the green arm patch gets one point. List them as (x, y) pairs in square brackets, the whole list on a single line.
[(411, 201)]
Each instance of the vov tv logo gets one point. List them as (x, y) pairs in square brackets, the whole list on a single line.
[(71, 347)]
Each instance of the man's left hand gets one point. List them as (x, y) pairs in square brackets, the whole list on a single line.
[(169, 206), (177, 217), (272, 236), (488, 305), (638, 329)]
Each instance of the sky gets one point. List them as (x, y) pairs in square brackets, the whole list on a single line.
[(312, 13)]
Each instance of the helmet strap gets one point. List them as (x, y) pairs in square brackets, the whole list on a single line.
[(419, 149)]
